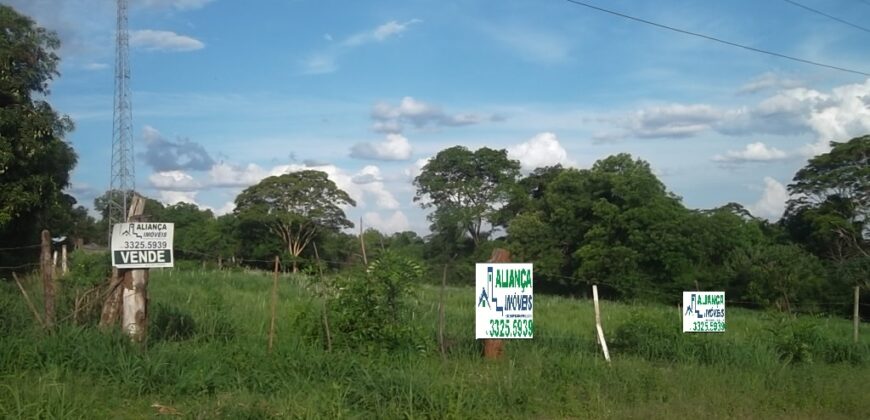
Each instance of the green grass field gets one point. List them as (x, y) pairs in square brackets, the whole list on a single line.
[(210, 360)]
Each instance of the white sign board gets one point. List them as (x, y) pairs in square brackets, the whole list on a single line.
[(703, 312), (142, 245), (503, 296)]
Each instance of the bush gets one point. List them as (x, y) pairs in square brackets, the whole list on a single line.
[(804, 341), (371, 310)]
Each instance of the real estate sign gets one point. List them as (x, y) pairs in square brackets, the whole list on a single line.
[(503, 296), (703, 311), (142, 245)]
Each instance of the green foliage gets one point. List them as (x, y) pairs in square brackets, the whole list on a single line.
[(82, 372), (465, 188), (294, 207), (35, 161), (781, 276), (805, 341), (169, 323), (88, 268), (372, 311)]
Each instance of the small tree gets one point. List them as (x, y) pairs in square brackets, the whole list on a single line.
[(295, 207)]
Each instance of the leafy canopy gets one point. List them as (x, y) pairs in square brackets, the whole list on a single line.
[(465, 188)]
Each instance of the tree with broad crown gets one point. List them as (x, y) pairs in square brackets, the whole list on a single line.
[(830, 202), (295, 207), (466, 187), (35, 161)]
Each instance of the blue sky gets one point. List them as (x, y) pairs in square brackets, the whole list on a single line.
[(228, 92)]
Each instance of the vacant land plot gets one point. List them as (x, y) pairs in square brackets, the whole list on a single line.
[(207, 357)]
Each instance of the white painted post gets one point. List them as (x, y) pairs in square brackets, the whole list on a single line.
[(599, 331), (63, 260), (856, 316)]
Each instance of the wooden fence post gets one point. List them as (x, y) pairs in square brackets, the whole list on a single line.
[(494, 348), (598, 330), (47, 280), (64, 266), (441, 344), (274, 304), (856, 315)]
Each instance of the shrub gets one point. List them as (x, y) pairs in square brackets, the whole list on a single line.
[(371, 310)]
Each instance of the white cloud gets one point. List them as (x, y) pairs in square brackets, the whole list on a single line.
[(414, 170), (174, 181), (325, 61), (758, 152), (227, 208), (319, 64), (152, 40), (841, 114), (391, 119), (395, 222), (395, 147), (541, 150), (772, 202), (229, 175), (175, 197), (94, 66), (379, 34), (175, 4), (769, 80)]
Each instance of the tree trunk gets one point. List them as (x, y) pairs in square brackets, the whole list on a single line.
[(134, 317)]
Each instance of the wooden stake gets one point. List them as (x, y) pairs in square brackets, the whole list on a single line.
[(856, 316), (599, 331), (29, 302), (274, 305), (47, 280), (441, 344), (362, 243)]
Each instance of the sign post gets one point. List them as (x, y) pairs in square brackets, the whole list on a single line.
[(136, 247), (503, 298), (703, 312)]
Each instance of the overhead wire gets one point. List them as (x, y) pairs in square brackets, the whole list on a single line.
[(719, 40), (819, 12)]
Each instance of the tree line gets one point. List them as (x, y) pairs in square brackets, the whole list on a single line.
[(614, 224)]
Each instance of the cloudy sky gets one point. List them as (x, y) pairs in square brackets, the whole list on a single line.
[(228, 92)]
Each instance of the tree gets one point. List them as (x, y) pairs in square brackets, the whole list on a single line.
[(35, 161), (830, 202), (465, 188), (295, 207)]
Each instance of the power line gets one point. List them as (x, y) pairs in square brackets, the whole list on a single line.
[(819, 12), (721, 41)]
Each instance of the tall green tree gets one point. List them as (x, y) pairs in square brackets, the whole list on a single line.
[(830, 202), (295, 207), (35, 161), (465, 188)]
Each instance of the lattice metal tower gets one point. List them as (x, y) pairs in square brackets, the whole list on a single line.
[(123, 178)]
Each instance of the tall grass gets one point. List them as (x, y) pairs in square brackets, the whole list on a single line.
[(206, 357)]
